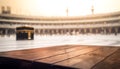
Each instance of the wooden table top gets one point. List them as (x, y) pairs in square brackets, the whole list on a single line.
[(75, 56)]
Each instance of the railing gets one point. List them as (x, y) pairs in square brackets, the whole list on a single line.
[(61, 22), (62, 26)]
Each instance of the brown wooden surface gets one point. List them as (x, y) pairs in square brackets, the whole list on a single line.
[(84, 57)]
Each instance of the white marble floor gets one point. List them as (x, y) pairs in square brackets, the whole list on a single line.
[(10, 43)]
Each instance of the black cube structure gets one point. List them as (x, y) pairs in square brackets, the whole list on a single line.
[(24, 33)]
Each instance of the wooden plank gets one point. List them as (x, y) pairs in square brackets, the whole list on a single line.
[(74, 56), (67, 55), (110, 62)]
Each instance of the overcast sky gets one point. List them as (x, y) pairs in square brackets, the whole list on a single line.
[(58, 7)]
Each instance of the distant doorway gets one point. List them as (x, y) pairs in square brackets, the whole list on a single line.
[(24, 33)]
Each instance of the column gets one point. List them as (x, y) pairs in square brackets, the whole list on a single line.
[(90, 30), (6, 31)]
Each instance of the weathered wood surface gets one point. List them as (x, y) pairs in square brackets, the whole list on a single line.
[(76, 56)]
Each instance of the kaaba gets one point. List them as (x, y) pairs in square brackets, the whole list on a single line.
[(24, 33)]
